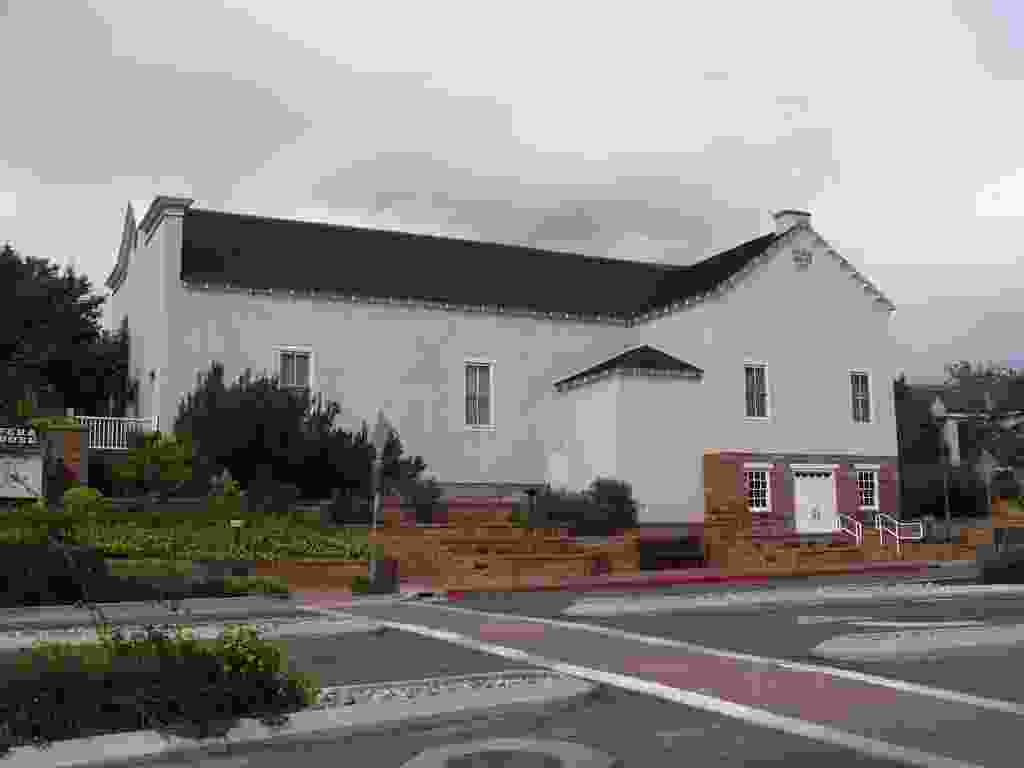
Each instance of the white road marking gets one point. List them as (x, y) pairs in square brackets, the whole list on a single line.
[(917, 624), (802, 620), (941, 694), (752, 715)]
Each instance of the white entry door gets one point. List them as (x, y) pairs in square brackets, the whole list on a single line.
[(815, 492)]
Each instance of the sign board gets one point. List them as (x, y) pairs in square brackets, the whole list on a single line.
[(21, 476), (18, 437)]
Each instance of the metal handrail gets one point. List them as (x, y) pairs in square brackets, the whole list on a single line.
[(857, 530), (895, 530)]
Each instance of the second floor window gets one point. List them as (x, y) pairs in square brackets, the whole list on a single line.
[(295, 369), (757, 392), (861, 397), (478, 395)]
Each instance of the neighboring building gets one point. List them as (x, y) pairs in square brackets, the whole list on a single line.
[(507, 367)]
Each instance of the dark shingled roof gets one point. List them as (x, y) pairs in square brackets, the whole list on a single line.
[(644, 358), (252, 252)]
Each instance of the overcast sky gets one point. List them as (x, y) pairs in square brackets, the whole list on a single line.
[(645, 130)]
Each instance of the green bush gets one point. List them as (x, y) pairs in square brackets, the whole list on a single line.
[(149, 680), (599, 511), (157, 463), (615, 498), (254, 423), (360, 584)]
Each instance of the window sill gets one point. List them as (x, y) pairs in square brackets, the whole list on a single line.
[(480, 428), (757, 418)]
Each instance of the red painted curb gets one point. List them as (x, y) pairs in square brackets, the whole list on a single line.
[(654, 581)]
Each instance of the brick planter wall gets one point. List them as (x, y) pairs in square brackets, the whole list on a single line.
[(314, 574)]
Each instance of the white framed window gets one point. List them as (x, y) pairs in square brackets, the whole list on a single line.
[(758, 492), (867, 489), (756, 390), (480, 394), (860, 396), (295, 367)]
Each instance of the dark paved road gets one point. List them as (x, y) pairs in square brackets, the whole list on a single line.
[(640, 731), (790, 632), (958, 729)]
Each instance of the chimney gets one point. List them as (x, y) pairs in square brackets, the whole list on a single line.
[(786, 220)]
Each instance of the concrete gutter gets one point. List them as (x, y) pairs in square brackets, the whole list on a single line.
[(310, 726), (917, 644)]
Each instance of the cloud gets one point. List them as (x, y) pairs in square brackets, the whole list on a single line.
[(85, 115)]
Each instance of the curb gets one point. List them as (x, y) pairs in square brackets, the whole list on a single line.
[(664, 580), (914, 644), (212, 610), (330, 725)]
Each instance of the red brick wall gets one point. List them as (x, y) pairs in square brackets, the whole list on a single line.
[(889, 490), (847, 498), (783, 503)]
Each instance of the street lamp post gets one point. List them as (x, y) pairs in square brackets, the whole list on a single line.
[(938, 410)]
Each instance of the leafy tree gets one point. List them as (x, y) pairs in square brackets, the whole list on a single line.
[(964, 372), (255, 424), (51, 339)]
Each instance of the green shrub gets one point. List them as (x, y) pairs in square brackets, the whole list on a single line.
[(360, 584), (157, 463), (615, 498), (149, 680), (84, 503)]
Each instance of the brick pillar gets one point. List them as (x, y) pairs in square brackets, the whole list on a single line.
[(783, 504), (889, 489), (847, 498)]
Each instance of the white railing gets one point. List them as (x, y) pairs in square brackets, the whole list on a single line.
[(856, 528), (880, 523), (111, 433)]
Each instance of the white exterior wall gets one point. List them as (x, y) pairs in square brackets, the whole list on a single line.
[(410, 362), (810, 328), (588, 443), (143, 298), (661, 451)]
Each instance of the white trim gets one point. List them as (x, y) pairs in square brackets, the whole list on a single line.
[(767, 391), (875, 490), (830, 468), (301, 349), (866, 467), (758, 465), (490, 363), (872, 405), (767, 488), (604, 359)]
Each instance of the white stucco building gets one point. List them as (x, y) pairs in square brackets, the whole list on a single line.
[(507, 367)]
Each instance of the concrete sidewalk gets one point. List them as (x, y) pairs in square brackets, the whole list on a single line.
[(675, 577)]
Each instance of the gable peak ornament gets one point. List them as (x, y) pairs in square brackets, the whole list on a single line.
[(802, 258)]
